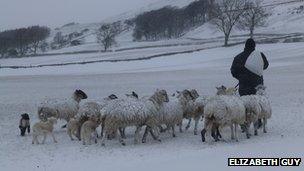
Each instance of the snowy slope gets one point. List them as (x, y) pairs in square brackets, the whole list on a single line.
[(284, 19), (22, 89)]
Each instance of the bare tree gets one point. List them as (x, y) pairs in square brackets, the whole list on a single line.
[(254, 16), (226, 15), (106, 36)]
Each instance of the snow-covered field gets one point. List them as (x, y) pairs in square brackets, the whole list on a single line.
[(21, 90)]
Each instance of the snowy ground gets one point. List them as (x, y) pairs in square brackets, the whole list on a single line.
[(21, 90)]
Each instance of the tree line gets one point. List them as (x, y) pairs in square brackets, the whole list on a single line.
[(172, 22), (22, 41)]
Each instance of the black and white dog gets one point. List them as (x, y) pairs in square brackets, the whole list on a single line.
[(24, 124)]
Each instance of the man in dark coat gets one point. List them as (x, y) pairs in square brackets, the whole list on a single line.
[(247, 79)]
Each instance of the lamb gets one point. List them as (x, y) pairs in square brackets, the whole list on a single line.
[(44, 128), (121, 113), (88, 128), (74, 126), (221, 111), (61, 109)]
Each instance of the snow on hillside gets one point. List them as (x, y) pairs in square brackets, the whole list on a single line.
[(284, 19), (23, 89), (125, 37)]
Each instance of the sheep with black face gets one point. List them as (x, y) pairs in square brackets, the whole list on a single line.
[(61, 108)]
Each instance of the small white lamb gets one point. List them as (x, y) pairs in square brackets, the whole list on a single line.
[(87, 129), (44, 128)]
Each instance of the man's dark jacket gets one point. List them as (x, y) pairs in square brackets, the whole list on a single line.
[(247, 79)]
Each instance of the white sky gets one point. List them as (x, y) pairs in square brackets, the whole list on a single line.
[(54, 13)]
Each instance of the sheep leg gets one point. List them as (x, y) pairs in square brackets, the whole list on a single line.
[(232, 132), (173, 131), (161, 129), (44, 138), (70, 134), (145, 135), (104, 138), (215, 132), (180, 126), (95, 136), (121, 140), (256, 127), (203, 133), (83, 141), (188, 125), (53, 137), (28, 129), (235, 132), (136, 140), (195, 126), (207, 127), (122, 132), (35, 139), (102, 128), (246, 129), (218, 133), (78, 133), (264, 125), (152, 132)]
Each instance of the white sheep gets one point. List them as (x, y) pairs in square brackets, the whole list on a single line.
[(190, 113), (257, 107), (253, 111), (221, 111), (121, 113), (44, 128), (266, 110), (61, 109), (88, 128)]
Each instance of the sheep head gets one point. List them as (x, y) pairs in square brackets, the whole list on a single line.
[(221, 90), (261, 90), (226, 91), (194, 93), (133, 95), (79, 94), (160, 96), (112, 97), (188, 95)]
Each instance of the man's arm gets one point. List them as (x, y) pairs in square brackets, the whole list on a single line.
[(235, 68), (266, 63)]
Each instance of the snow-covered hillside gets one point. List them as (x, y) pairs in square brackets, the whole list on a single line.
[(23, 89), (285, 19)]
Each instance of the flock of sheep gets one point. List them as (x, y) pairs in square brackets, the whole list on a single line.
[(156, 113)]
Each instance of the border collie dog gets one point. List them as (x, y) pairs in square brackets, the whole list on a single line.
[(24, 124)]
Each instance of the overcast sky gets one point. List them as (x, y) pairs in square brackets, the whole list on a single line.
[(53, 13)]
